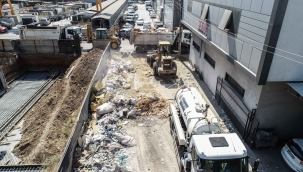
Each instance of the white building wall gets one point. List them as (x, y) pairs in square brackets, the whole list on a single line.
[(168, 14), (246, 47), (289, 66), (210, 75)]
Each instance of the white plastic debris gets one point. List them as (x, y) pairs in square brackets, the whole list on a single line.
[(105, 108), (131, 113), (126, 86), (132, 101), (124, 139)]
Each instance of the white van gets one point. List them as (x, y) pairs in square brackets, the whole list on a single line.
[(130, 1), (134, 15)]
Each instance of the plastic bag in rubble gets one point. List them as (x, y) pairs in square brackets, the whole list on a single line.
[(110, 84), (114, 167), (118, 99), (126, 86), (114, 146), (98, 138), (154, 97), (89, 139), (128, 66), (124, 139), (131, 113), (132, 101), (105, 108)]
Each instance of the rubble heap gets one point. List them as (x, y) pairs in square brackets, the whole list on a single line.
[(102, 147)]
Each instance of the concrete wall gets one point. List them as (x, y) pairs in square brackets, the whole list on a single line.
[(280, 110), (168, 15), (45, 62), (254, 21), (289, 66), (10, 65)]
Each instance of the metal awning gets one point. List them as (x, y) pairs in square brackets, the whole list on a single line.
[(297, 86)]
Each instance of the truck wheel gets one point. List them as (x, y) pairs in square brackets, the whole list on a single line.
[(139, 49), (183, 50), (114, 45), (175, 65), (152, 61), (148, 59), (155, 68)]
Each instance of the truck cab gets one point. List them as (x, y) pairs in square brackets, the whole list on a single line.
[(215, 153), (71, 31)]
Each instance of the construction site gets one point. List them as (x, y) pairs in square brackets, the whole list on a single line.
[(75, 98)]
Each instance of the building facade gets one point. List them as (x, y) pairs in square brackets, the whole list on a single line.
[(232, 47)]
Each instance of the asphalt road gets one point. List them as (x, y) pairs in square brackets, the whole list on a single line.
[(143, 13)]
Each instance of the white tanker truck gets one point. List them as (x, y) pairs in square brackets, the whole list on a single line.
[(200, 146)]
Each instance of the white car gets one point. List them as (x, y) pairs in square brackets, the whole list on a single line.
[(140, 21), (146, 24), (130, 9), (152, 15), (292, 154)]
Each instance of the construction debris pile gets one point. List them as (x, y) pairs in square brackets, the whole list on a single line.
[(102, 147)]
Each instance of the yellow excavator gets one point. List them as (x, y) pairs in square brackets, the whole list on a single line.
[(10, 6), (103, 37)]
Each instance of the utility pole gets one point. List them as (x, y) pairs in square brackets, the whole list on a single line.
[(180, 30)]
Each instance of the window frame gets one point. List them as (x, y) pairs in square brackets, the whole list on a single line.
[(196, 46), (210, 60), (235, 85)]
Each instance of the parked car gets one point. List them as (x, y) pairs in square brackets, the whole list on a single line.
[(44, 22), (3, 29), (146, 24), (6, 24), (158, 25), (130, 20), (140, 21), (141, 2), (130, 9), (125, 32), (152, 15), (127, 25), (135, 6), (148, 8), (292, 154)]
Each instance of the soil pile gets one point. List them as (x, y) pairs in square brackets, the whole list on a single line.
[(152, 107), (49, 122)]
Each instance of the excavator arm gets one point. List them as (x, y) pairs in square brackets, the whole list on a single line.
[(10, 6), (98, 5)]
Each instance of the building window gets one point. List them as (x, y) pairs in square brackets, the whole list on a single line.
[(210, 60), (235, 85), (197, 47)]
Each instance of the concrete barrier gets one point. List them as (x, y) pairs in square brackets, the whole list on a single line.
[(65, 163)]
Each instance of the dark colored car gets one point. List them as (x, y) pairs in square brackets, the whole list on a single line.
[(5, 24), (125, 32), (135, 6)]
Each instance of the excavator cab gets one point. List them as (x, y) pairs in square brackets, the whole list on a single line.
[(102, 33)]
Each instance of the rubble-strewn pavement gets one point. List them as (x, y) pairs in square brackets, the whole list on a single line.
[(129, 126)]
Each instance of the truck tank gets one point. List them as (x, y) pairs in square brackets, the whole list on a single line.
[(194, 114)]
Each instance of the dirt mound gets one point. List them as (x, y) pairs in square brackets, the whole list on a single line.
[(150, 106), (49, 122)]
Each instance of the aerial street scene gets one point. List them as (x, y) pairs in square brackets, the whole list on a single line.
[(151, 86)]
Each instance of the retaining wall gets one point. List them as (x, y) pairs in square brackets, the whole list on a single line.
[(66, 161)]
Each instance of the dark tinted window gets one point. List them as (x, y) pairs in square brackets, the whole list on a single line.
[(210, 60), (197, 47), (235, 85), (295, 149)]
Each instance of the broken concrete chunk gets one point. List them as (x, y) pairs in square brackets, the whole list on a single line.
[(92, 97), (97, 87), (93, 106)]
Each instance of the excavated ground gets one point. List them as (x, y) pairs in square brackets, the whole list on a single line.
[(48, 123)]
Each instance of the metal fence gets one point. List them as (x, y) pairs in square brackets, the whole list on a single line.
[(233, 105), (65, 163), (6, 45)]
